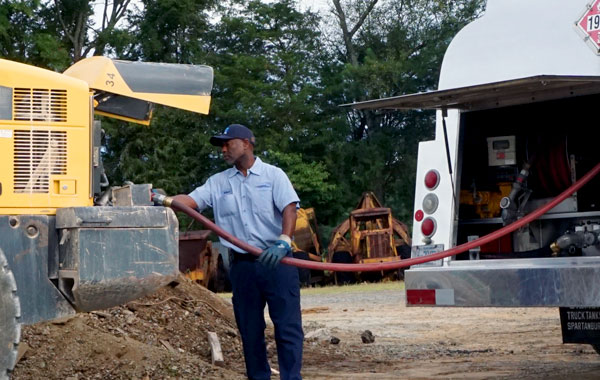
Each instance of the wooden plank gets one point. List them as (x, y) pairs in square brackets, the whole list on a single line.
[(215, 349), (168, 346)]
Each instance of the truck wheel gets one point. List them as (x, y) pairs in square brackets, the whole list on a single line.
[(596, 348), (404, 251), (221, 281), (10, 315), (303, 273), (343, 277)]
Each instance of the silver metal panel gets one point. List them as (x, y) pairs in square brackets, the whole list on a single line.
[(166, 78), (29, 243), (5, 103), (117, 255), (113, 217), (520, 282)]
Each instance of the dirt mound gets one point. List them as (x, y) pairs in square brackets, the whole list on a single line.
[(161, 336)]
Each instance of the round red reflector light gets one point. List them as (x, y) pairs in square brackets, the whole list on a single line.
[(428, 227), (432, 179), (419, 215)]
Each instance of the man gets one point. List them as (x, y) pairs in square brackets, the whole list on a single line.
[(256, 202)]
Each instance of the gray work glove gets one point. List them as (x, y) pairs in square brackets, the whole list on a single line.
[(271, 256)]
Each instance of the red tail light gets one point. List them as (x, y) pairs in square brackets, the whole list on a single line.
[(419, 215), (432, 179), (428, 227)]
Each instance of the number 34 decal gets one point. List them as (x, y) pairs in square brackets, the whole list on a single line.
[(110, 82)]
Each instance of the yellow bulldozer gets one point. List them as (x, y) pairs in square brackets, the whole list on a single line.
[(69, 242), (307, 245), (369, 235)]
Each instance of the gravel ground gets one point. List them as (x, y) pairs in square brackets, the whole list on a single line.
[(434, 343)]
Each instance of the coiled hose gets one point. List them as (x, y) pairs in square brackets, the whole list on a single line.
[(376, 267)]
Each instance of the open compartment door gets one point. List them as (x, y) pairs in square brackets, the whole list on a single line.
[(490, 95), (127, 90)]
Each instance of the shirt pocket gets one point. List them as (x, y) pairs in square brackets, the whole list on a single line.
[(263, 199), (226, 205)]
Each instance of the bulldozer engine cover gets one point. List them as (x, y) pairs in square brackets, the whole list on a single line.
[(112, 255)]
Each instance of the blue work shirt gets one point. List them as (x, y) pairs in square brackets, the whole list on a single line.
[(250, 208)]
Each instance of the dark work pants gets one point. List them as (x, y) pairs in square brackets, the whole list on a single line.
[(254, 286)]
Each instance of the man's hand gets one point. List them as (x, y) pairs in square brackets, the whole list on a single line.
[(271, 256)]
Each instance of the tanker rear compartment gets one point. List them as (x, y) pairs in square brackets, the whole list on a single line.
[(512, 160)]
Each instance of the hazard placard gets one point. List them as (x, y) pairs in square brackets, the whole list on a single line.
[(589, 25)]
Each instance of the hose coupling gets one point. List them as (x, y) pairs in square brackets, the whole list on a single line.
[(161, 200)]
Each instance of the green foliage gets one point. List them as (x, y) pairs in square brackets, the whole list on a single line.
[(310, 179), (16, 25), (171, 30), (51, 52), (397, 50), (176, 159)]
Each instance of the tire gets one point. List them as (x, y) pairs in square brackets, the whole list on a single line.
[(10, 316), (342, 278), (404, 251), (596, 348), (371, 276), (303, 273), (221, 281)]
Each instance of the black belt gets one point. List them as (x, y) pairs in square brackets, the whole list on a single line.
[(237, 256)]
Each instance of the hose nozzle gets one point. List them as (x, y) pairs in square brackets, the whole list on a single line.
[(161, 200)]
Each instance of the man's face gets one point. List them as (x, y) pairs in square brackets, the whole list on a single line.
[(233, 150)]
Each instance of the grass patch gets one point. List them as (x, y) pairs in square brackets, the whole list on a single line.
[(339, 289), (358, 288)]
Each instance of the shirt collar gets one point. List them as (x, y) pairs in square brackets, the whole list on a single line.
[(257, 168)]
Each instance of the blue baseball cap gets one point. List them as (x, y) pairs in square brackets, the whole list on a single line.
[(233, 131)]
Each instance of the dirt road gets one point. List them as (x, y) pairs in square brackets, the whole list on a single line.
[(435, 343)]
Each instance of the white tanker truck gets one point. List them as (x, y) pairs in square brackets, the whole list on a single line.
[(517, 100)]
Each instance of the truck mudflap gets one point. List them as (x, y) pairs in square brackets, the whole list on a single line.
[(559, 281), (112, 255)]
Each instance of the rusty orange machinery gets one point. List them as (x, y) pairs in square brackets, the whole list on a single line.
[(306, 238), (197, 258), (369, 235)]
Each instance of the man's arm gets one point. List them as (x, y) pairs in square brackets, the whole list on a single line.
[(186, 200), (289, 220), (271, 256)]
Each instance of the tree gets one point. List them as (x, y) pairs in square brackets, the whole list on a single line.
[(389, 48), (267, 75), (24, 38), (172, 30), (56, 33)]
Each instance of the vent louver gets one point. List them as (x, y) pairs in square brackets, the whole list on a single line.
[(35, 104), (38, 155)]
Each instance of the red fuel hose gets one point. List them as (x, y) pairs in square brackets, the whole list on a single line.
[(376, 267)]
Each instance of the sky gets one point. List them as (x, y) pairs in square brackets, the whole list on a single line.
[(315, 5), (321, 6)]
